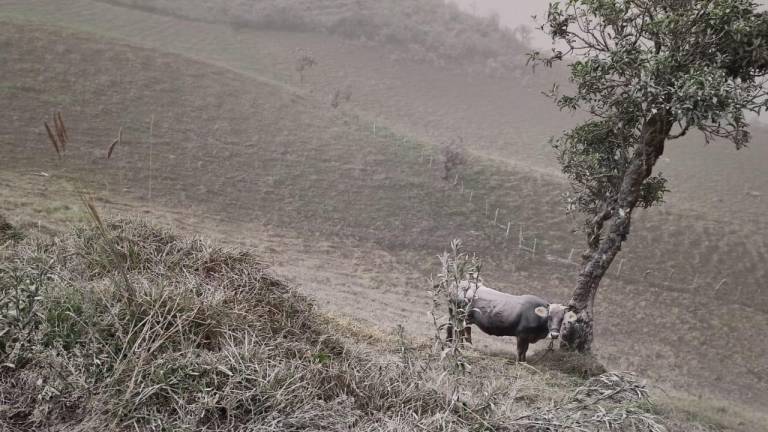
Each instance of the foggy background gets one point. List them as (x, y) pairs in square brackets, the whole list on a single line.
[(512, 13)]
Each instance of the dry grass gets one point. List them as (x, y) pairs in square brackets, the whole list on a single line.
[(58, 136), (212, 341)]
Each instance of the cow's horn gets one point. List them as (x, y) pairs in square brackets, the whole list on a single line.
[(541, 311)]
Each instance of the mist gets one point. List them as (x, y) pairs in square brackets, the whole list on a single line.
[(512, 13)]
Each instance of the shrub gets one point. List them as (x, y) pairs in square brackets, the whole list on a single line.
[(453, 158)]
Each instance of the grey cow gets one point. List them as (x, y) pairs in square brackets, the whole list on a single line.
[(527, 317)]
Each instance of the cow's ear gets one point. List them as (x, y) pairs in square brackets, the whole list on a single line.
[(541, 311), (570, 316)]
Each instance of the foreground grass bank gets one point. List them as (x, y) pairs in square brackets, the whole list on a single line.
[(135, 328)]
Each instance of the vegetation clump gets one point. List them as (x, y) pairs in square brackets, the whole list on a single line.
[(211, 341)]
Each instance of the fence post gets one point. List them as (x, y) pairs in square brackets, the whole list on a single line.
[(509, 225), (151, 142), (496, 216)]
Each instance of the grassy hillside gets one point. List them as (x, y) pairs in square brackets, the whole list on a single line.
[(431, 30), (257, 158), (125, 326)]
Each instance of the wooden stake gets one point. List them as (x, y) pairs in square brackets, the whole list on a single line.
[(509, 225), (618, 270), (151, 128), (470, 195), (486, 207), (570, 255), (534, 246), (496, 216)]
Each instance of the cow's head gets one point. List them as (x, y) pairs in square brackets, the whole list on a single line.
[(556, 315)]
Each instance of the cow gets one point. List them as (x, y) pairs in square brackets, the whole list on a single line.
[(527, 317)]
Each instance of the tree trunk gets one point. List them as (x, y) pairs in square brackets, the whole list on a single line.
[(577, 335)]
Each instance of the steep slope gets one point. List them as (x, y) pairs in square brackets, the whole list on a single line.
[(502, 116)]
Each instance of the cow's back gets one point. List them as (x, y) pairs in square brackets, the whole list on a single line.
[(501, 314)]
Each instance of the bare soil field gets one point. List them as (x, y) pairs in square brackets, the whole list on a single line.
[(243, 152), (505, 116)]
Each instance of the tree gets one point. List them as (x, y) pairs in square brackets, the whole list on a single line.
[(646, 72)]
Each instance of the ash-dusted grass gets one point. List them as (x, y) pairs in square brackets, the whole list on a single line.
[(208, 339), (211, 341)]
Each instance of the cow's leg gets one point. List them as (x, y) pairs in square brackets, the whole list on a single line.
[(468, 334), (449, 327), (522, 348)]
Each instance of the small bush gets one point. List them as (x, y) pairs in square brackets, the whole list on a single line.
[(453, 158)]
